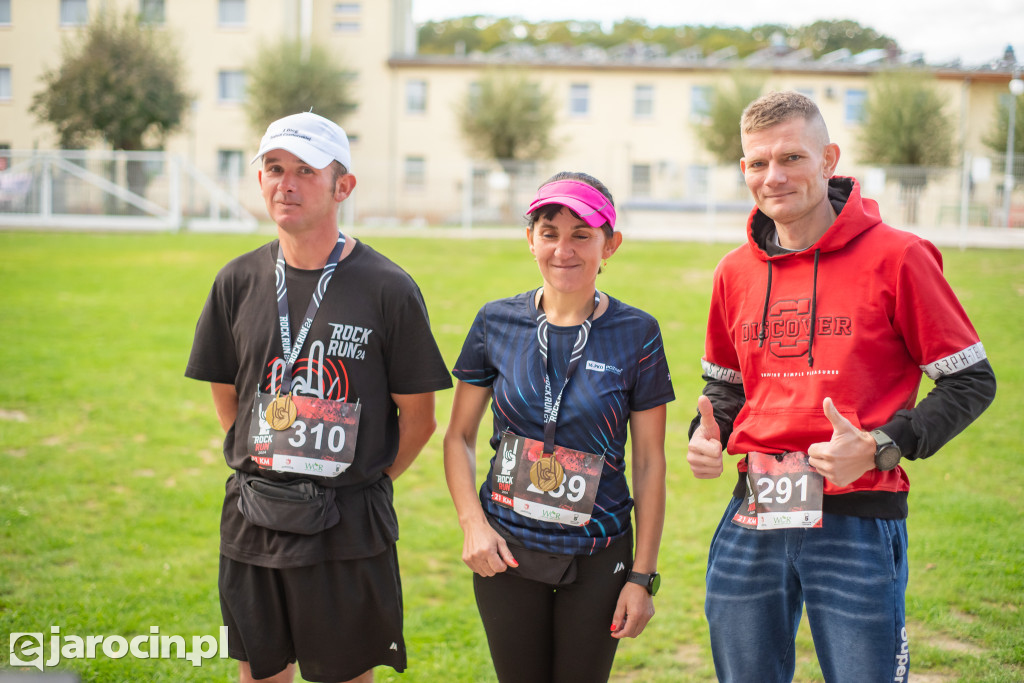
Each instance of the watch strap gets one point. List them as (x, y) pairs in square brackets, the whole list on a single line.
[(645, 580), (887, 451)]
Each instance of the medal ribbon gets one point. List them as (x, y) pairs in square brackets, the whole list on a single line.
[(551, 407), (291, 353)]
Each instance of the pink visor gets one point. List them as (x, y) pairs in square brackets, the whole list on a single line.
[(587, 201)]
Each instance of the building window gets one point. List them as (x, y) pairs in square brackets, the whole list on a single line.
[(347, 23), (231, 12), (5, 11), (151, 11), (415, 173), (5, 83), (231, 86), (641, 180), (700, 102), (415, 97), (74, 12), (806, 92), (853, 106), (643, 101), (229, 163), (579, 99), (697, 177), (473, 95)]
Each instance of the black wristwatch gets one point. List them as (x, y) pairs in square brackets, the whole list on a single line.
[(887, 453), (652, 582)]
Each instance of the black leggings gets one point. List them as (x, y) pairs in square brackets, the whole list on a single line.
[(541, 633)]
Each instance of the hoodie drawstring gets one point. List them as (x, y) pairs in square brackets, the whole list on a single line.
[(762, 333), (764, 314), (814, 310)]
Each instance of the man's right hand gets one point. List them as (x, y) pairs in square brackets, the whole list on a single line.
[(705, 452)]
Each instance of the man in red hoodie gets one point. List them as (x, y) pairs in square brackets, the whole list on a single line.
[(820, 328)]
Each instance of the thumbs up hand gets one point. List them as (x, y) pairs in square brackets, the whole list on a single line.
[(847, 455), (705, 452)]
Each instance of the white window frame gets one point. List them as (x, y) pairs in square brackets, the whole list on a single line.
[(153, 12), (414, 175), (232, 13), (579, 99), (416, 96), (643, 101), (6, 88), (641, 187), (224, 157), (74, 12), (854, 102), (700, 102), (230, 86)]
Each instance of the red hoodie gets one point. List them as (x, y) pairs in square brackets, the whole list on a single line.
[(858, 316)]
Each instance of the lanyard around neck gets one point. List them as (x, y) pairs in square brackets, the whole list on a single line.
[(551, 407), (291, 353)]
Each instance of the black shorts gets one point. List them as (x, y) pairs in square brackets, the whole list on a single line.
[(338, 619), (555, 630)]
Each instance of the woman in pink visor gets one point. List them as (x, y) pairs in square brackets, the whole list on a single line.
[(567, 370)]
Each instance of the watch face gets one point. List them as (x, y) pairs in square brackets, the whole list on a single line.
[(887, 454), (887, 458), (655, 584)]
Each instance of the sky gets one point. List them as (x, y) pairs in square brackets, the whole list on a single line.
[(975, 31)]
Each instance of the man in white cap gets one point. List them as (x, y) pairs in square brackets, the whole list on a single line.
[(323, 367)]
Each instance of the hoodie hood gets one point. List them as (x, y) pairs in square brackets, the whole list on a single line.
[(855, 215)]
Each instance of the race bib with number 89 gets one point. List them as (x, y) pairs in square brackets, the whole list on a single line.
[(571, 503)]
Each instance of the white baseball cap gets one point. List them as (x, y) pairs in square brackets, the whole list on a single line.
[(310, 137)]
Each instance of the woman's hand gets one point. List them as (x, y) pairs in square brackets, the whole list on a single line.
[(632, 612), (484, 550)]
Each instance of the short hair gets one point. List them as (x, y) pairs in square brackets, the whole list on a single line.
[(777, 107), (549, 211), (338, 170)]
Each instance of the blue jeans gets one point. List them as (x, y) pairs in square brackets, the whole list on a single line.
[(852, 574)]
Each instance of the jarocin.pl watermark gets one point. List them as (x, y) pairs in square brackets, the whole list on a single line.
[(27, 648)]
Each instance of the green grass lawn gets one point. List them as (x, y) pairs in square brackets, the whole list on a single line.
[(111, 476)]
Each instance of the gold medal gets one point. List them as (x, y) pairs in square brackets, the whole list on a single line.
[(547, 473), (281, 412)]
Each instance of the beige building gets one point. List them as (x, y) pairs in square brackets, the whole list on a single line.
[(627, 115)]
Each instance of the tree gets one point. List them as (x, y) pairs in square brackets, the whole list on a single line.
[(119, 81), (823, 37), (508, 119), (906, 125), (720, 132), (999, 131), (484, 33), (291, 76)]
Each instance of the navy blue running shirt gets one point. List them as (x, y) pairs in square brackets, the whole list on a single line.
[(623, 369)]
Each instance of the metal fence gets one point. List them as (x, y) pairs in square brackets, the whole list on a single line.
[(971, 195), (157, 191), (115, 190)]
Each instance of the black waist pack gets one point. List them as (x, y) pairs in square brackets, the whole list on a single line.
[(553, 569), (299, 506)]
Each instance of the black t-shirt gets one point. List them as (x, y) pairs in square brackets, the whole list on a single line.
[(370, 338)]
